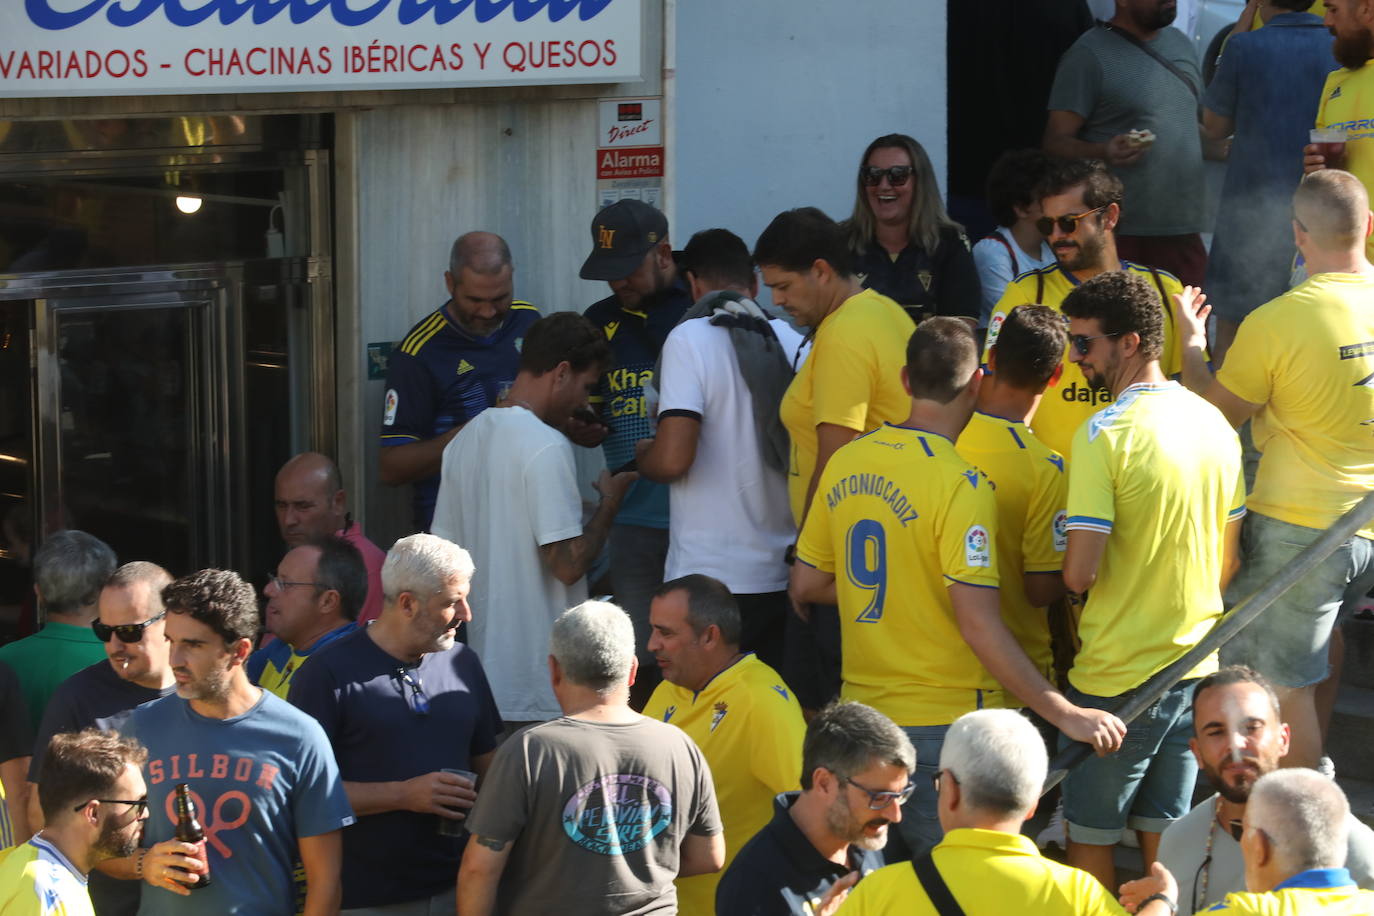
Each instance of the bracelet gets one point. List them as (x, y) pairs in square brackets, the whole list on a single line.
[(138, 863), (1173, 907)]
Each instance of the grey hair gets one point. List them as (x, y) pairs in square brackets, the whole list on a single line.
[(1304, 814), (998, 758), (421, 564), (847, 738), (479, 252), (594, 644), (709, 603), (70, 569), (140, 572)]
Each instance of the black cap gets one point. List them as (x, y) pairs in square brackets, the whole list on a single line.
[(622, 235)]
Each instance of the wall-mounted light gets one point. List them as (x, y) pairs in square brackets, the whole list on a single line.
[(189, 204)]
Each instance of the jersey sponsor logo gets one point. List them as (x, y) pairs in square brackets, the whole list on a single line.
[(611, 328), (972, 477), (617, 814), (1366, 382), (1085, 394), (995, 328), (1061, 531), (393, 400), (1335, 93), (464, 367), (1057, 461), (668, 713), (519, 344), (718, 713), (1355, 351), (781, 690), (977, 547)]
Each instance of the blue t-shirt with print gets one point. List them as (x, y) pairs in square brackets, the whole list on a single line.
[(636, 337), (259, 781), (366, 702)]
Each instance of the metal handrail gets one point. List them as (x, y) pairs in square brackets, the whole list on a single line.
[(1147, 694)]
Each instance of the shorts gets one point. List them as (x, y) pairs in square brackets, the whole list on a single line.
[(1146, 785), (1288, 642)]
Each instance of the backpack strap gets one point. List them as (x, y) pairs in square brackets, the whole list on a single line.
[(1164, 301), (935, 887), (1011, 253), (1039, 288)]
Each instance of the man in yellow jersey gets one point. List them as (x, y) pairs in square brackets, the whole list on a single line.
[(847, 385), (1348, 96), (1294, 841), (1156, 498), (312, 600), (1302, 365), (94, 805), (1031, 487), (16, 745), (737, 710), (1081, 202), (991, 770), (903, 532)]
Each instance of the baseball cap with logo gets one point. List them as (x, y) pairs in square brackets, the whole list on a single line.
[(622, 235)]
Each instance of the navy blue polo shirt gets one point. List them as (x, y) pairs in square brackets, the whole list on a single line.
[(355, 691), (636, 337), (780, 872), (440, 376)]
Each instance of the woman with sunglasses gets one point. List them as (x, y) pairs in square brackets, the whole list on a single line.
[(905, 245)]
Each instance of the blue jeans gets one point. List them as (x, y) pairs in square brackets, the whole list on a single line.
[(920, 828)]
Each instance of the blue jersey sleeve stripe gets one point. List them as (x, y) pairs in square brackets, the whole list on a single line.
[(973, 584), (429, 335), (1088, 523), (1238, 512), (517, 304), (808, 565)]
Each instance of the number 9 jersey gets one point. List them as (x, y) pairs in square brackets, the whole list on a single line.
[(898, 517)]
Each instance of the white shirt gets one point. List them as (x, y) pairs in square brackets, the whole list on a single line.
[(728, 516), (995, 268), (508, 486)]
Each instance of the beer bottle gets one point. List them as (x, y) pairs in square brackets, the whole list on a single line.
[(189, 830)]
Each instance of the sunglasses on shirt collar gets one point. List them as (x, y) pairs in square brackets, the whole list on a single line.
[(127, 632)]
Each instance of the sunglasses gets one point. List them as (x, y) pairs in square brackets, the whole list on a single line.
[(897, 175), (877, 801), (1067, 224), (419, 703), (1082, 343), (127, 632), (139, 805)]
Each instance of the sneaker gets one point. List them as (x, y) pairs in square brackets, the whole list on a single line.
[(1327, 767), (1054, 833)]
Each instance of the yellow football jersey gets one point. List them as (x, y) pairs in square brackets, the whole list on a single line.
[(750, 729), (36, 879), (1031, 491), (1072, 400), (898, 517), (851, 378), (1308, 358), (1159, 472), (1347, 101)]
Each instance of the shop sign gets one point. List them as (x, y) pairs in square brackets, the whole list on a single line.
[(166, 47)]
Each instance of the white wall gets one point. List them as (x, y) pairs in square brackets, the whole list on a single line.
[(776, 100)]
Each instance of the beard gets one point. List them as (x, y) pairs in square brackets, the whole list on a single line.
[(842, 824), (1081, 255), (115, 842), (1352, 51), (1236, 794)]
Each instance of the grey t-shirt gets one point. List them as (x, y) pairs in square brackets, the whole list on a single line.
[(1116, 87), (1183, 848), (597, 813)]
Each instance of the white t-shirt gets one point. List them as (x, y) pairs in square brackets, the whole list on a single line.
[(728, 516), (995, 268), (1183, 850), (508, 486)]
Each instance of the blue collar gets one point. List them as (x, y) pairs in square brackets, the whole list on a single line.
[(917, 429), (1298, 18), (1318, 878)]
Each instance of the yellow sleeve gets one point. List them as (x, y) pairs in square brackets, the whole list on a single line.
[(967, 533), (1043, 539), (1092, 491), (1171, 360), (816, 546), (843, 383), (1237, 504), (1011, 298), (1248, 370), (777, 724)]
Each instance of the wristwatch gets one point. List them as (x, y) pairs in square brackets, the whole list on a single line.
[(1164, 898)]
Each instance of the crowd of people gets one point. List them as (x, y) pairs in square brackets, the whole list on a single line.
[(710, 611)]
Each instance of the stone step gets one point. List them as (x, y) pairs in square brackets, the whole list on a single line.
[(1358, 670), (1350, 743)]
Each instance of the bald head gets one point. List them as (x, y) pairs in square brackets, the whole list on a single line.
[(310, 500), (1331, 208), (1305, 816), (480, 252)]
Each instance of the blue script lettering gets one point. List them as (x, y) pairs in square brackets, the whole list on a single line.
[(124, 13)]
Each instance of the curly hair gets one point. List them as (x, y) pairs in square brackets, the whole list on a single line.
[(1101, 187), (218, 598), (1123, 303)]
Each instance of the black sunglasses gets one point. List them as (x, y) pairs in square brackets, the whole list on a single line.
[(1067, 223), (877, 801), (419, 703), (139, 805), (127, 632), (1082, 343), (935, 779), (897, 175)]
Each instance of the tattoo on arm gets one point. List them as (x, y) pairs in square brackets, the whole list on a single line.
[(492, 844)]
